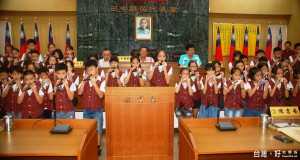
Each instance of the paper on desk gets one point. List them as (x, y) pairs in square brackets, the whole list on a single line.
[(293, 132), (281, 125)]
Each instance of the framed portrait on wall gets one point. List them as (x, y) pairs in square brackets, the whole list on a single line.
[(143, 27)]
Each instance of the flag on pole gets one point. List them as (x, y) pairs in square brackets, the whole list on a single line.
[(23, 40), (232, 46), (257, 39), (7, 35), (245, 48), (68, 40), (50, 33), (36, 38), (280, 38), (269, 44), (218, 54)]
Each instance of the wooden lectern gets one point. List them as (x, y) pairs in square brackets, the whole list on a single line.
[(139, 122)]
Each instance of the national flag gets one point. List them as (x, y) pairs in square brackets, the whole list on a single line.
[(68, 40), (23, 40), (36, 38), (257, 39), (7, 35), (269, 44), (218, 54), (50, 33), (245, 48), (280, 38), (232, 45)]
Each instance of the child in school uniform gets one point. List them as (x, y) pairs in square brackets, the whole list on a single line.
[(70, 54), (64, 93), (235, 93), (236, 56), (93, 88), (221, 77), (10, 91), (295, 100), (114, 77), (160, 72), (210, 86), (184, 91), (47, 88), (31, 44), (257, 91), (100, 71), (59, 55), (31, 96), (51, 47), (279, 88), (240, 64), (295, 59), (35, 58), (50, 64), (259, 53), (266, 72), (244, 58), (71, 76), (288, 70), (195, 81), (16, 58), (135, 76), (277, 55)]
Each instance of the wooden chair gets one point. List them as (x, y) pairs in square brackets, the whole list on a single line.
[(176, 56)]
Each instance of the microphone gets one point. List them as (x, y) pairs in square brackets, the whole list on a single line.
[(224, 126), (61, 128)]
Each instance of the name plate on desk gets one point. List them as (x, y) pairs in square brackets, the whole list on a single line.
[(285, 111), (124, 58), (78, 63)]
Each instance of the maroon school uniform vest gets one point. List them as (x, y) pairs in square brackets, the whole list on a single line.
[(133, 81), (297, 63), (47, 103), (30, 107), (158, 78), (278, 98), (256, 101), (286, 75), (210, 98), (183, 99), (10, 102), (196, 95), (90, 99), (62, 102), (99, 71), (271, 61), (234, 97), (18, 64), (113, 82), (295, 101)]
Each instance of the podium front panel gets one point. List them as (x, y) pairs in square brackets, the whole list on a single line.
[(139, 121)]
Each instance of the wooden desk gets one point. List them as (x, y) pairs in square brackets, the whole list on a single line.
[(200, 139), (123, 66), (25, 142)]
